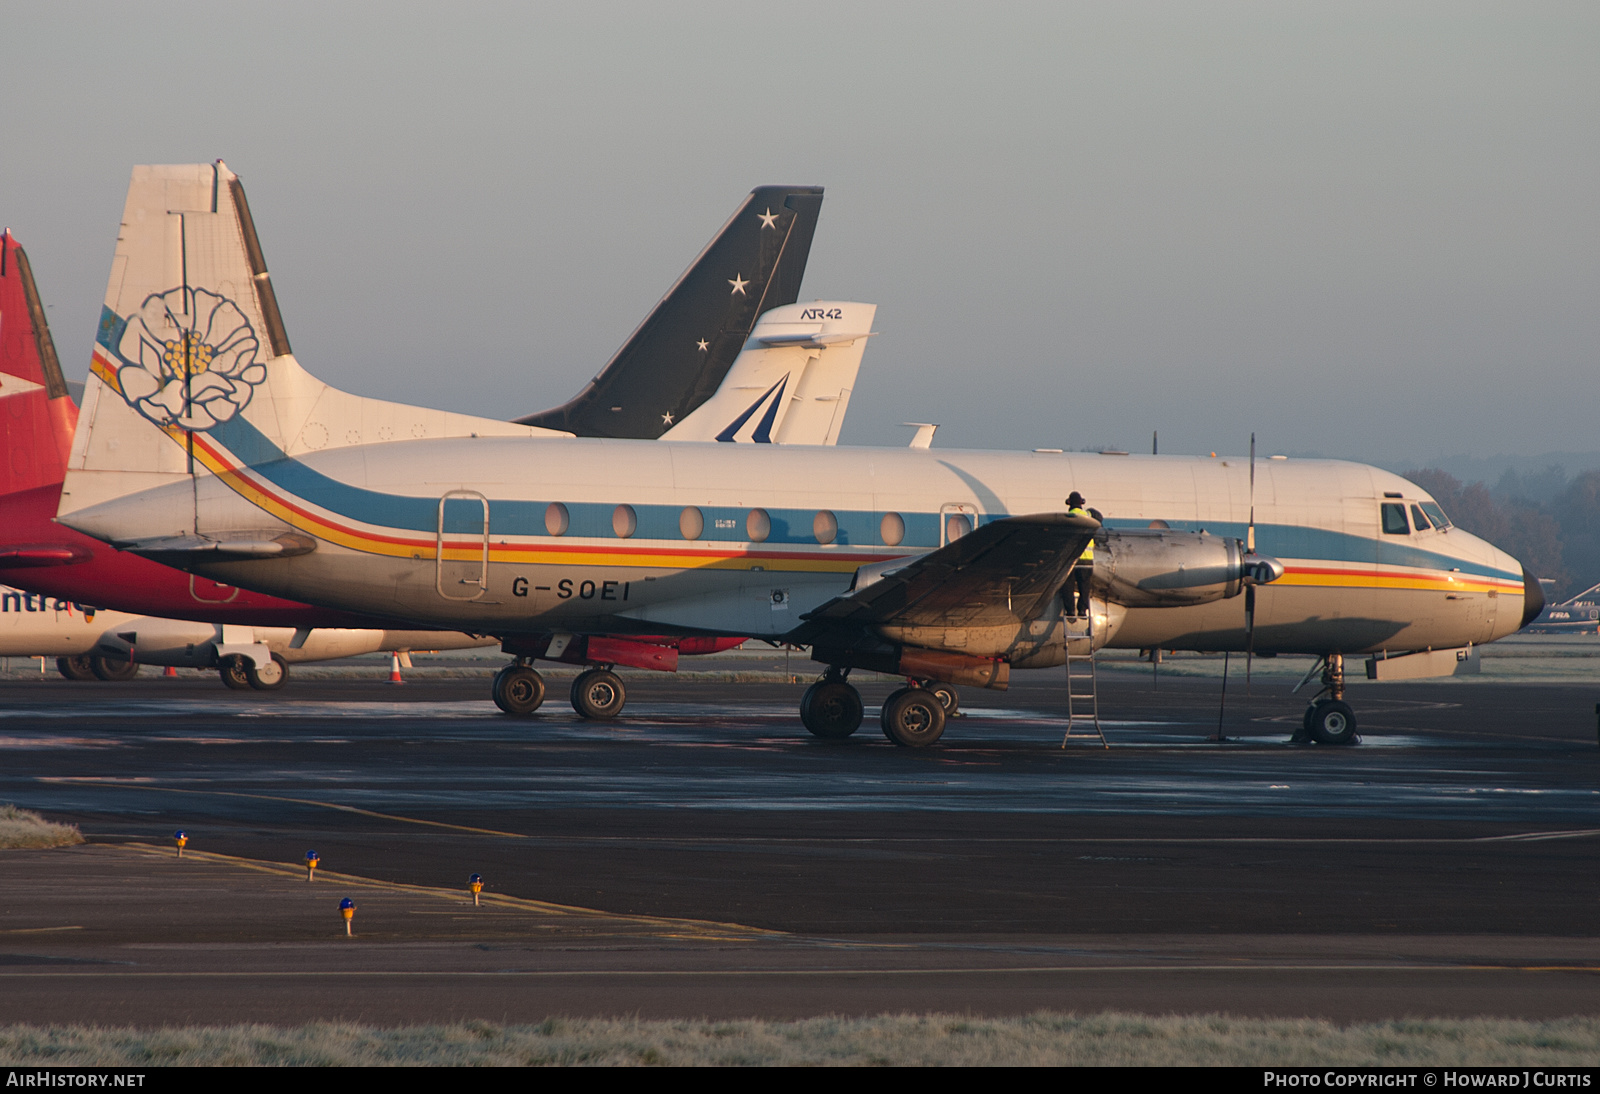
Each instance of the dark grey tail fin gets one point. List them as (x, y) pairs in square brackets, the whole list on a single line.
[(678, 356)]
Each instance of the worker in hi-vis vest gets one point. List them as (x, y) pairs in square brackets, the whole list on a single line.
[(1083, 572)]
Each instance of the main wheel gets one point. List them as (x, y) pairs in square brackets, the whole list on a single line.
[(948, 698), (598, 694), (1333, 723), (518, 690), (232, 671), (913, 718), (883, 712), (107, 669), (75, 668), (269, 677), (831, 709)]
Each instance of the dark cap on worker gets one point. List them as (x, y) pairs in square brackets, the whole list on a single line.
[(1074, 499)]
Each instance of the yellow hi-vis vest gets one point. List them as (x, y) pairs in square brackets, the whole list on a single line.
[(1088, 552)]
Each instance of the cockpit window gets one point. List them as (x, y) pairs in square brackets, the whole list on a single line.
[(1437, 514), (1394, 519), (1418, 521)]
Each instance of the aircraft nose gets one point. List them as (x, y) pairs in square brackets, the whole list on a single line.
[(1532, 597)]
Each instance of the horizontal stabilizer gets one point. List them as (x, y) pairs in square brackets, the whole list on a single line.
[(184, 551), (24, 555)]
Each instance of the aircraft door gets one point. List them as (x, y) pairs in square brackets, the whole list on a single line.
[(461, 549), (956, 519), (206, 591)]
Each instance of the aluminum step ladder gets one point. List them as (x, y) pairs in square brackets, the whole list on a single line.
[(1083, 702)]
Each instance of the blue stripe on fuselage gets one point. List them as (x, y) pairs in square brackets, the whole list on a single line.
[(789, 526)]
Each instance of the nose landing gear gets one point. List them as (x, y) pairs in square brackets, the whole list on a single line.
[(1329, 720)]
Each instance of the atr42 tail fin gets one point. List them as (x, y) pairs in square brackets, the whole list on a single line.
[(792, 383), (37, 416), (192, 373), (678, 356)]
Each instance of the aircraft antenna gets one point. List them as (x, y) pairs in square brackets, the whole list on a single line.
[(1250, 585)]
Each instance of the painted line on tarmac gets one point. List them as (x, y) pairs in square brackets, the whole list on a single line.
[(1199, 841), (705, 929), (121, 784)]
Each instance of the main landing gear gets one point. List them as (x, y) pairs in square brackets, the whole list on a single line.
[(597, 694), (1329, 720), (94, 667), (241, 674), (913, 717)]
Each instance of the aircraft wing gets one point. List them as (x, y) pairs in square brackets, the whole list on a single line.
[(1004, 571)]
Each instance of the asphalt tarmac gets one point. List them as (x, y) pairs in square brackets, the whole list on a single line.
[(706, 856)]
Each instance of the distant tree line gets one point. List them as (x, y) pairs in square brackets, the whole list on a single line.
[(1548, 521)]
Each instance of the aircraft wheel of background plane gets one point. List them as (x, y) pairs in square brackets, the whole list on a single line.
[(518, 690), (831, 709), (75, 668), (947, 696), (106, 669), (269, 677), (913, 717), (232, 671), (598, 694), (1331, 722)]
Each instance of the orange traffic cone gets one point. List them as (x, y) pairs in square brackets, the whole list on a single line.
[(394, 669), (171, 670)]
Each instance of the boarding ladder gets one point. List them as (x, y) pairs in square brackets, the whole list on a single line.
[(1083, 703)]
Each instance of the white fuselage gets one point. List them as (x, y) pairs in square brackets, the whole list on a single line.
[(34, 625), (510, 535)]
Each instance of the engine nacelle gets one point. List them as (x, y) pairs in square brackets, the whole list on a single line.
[(1161, 568)]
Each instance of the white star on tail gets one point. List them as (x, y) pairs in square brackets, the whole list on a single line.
[(768, 219), (738, 284), (666, 419), (703, 344)]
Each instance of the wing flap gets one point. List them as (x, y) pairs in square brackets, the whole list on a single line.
[(1005, 571)]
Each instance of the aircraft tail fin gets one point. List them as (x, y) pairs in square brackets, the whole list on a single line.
[(192, 372), (792, 382), (37, 415), (679, 356)]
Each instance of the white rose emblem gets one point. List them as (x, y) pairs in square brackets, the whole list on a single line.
[(189, 359)]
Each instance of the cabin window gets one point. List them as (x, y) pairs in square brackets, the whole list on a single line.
[(691, 522), (892, 528), (825, 526), (1418, 521), (758, 525), (624, 521), (956, 525), (556, 519), (1436, 514), (1394, 519)]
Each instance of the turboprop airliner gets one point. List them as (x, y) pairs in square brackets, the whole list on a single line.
[(658, 374), (206, 446)]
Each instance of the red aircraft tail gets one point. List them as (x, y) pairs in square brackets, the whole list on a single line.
[(37, 415)]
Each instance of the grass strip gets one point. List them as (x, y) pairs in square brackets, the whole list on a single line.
[(1049, 1039)]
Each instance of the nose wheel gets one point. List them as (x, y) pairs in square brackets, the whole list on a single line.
[(1329, 720)]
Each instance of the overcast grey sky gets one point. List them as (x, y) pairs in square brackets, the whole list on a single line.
[(1367, 230)]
